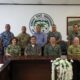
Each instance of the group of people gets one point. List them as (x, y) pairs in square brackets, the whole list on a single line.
[(39, 43)]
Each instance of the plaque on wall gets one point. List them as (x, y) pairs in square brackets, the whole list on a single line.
[(42, 19)]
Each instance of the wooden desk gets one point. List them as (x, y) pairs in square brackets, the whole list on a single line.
[(4, 71), (74, 57), (27, 68)]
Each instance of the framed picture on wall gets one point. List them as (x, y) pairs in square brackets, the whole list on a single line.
[(70, 22)]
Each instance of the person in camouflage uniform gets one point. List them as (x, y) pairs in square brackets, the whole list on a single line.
[(74, 33), (33, 48), (13, 49), (74, 49), (52, 48), (24, 39), (55, 33)]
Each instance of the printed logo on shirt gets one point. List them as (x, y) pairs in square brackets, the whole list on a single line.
[(42, 19)]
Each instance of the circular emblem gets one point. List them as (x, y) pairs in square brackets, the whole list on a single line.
[(42, 19)]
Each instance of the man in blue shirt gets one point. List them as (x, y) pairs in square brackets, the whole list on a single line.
[(6, 36), (41, 37)]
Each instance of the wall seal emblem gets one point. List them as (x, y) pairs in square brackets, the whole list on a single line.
[(43, 19)]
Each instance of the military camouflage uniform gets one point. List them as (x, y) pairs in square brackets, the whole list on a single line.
[(24, 39), (49, 50), (13, 50), (36, 50), (74, 50)]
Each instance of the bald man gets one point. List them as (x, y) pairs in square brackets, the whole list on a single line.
[(75, 47)]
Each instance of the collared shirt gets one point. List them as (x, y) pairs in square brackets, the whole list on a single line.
[(33, 50), (41, 38), (49, 50), (56, 34), (13, 50), (6, 37), (24, 39), (74, 50)]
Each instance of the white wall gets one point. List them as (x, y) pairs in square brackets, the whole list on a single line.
[(18, 15)]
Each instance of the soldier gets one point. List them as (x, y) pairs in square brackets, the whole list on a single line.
[(55, 33), (24, 39), (33, 48), (75, 47), (74, 33), (13, 49), (52, 48)]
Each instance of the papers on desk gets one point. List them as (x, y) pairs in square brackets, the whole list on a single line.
[(1, 65)]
